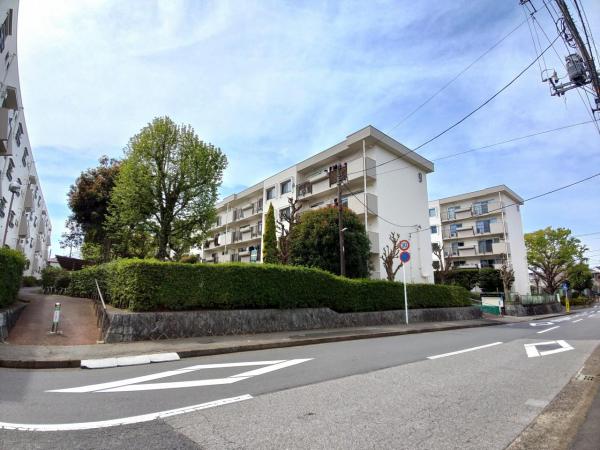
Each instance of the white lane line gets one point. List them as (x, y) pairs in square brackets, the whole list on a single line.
[(157, 376), (578, 320), (122, 421), (548, 329), (463, 351)]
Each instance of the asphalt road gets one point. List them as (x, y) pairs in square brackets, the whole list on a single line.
[(374, 393)]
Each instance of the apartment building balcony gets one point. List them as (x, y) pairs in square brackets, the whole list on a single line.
[(358, 204), (24, 226), (319, 182), (38, 245), (374, 241), (472, 211), (497, 248), (473, 230), (29, 202)]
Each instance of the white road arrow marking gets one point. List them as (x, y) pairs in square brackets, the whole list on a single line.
[(533, 352), (133, 384), (463, 351), (122, 421)]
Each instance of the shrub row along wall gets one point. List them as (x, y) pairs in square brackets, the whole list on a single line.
[(12, 264), (147, 285)]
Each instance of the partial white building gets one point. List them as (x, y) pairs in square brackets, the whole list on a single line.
[(24, 220), (388, 197), (478, 229)]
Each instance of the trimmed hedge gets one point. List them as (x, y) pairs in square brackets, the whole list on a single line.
[(30, 281), (148, 285), (49, 276), (12, 264)]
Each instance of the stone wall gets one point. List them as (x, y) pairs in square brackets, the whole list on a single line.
[(533, 310), (126, 327), (8, 318)]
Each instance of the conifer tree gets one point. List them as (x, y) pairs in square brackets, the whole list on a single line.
[(270, 252)]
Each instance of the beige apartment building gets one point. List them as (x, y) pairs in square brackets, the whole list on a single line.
[(388, 197), (479, 229), (24, 220)]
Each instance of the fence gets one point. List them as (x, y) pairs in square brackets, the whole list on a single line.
[(533, 299), (100, 310)]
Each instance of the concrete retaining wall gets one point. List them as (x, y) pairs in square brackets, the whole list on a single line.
[(127, 327), (533, 310), (8, 318)]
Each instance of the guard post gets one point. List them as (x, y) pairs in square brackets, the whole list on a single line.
[(55, 317)]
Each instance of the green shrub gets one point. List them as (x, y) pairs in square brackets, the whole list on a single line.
[(580, 300), (12, 264), (148, 285), (62, 281), (49, 275), (466, 278), (83, 284), (29, 281), (189, 259), (489, 280)]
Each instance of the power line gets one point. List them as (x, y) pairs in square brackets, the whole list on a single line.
[(455, 124), (451, 155), (586, 234), (502, 39), (424, 228)]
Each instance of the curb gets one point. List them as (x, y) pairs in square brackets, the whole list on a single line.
[(113, 361), (191, 353)]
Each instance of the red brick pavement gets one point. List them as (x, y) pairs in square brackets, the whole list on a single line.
[(77, 324)]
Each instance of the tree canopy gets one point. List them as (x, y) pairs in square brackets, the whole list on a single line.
[(167, 186), (314, 242), (551, 253)]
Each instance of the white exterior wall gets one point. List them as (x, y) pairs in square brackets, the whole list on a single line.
[(24, 225), (516, 242), (402, 200), (435, 221), (399, 197)]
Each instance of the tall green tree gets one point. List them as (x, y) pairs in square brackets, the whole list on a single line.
[(580, 277), (270, 251), (314, 242), (551, 253), (168, 186), (72, 237), (89, 199)]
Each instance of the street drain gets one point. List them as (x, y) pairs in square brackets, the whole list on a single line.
[(582, 377)]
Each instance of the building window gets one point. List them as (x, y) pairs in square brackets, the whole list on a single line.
[(271, 193), (480, 208), (11, 219), (433, 229), (454, 229), (2, 206), (5, 30), (284, 213), (218, 223), (487, 262), (432, 212), (482, 226), (259, 227), (452, 212), (19, 134), (485, 246), (286, 187), (11, 166), (24, 157)]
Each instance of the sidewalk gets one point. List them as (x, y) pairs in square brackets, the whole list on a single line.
[(77, 321), (44, 356)]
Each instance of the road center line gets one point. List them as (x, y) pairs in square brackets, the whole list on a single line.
[(463, 351), (578, 320), (548, 329)]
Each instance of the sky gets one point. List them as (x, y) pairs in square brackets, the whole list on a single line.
[(273, 82)]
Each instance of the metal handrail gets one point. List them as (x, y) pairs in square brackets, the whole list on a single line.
[(100, 309)]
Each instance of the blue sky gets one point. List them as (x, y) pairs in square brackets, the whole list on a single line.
[(273, 82)]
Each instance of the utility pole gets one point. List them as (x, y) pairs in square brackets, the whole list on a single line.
[(337, 175), (580, 65)]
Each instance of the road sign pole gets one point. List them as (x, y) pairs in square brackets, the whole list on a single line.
[(405, 294)]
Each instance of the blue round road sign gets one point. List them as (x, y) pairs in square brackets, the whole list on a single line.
[(405, 257)]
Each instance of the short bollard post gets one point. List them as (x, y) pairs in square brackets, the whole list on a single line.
[(56, 317)]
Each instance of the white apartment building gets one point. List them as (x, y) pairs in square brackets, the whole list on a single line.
[(395, 195), (24, 221), (478, 229)]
